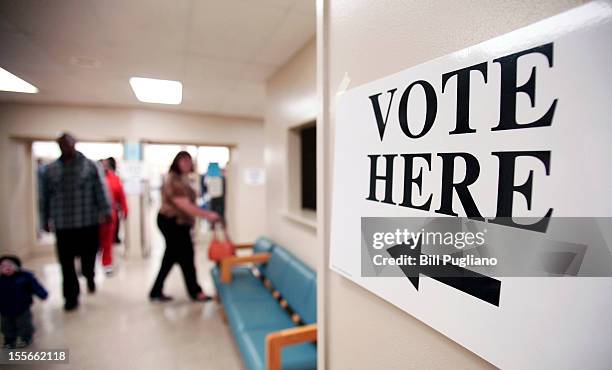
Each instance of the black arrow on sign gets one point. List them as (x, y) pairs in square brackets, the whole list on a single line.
[(467, 281)]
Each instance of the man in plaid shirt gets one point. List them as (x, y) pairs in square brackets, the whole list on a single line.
[(74, 201)]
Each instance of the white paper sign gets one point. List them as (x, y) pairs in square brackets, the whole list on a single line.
[(254, 176), (132, 174), (214, 186), (522, 125)]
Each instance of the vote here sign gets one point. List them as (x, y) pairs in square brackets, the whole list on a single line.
[(509, 136)]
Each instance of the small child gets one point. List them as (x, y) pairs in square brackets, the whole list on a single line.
[(16, 289)]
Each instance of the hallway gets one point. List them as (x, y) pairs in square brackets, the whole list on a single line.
[(129, 332), (360, 185)]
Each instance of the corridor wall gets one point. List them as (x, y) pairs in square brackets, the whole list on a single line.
[(291, 95)]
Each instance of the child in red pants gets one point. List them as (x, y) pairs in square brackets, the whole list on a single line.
[(119, 206)]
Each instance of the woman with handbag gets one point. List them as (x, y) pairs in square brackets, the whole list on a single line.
[(175, 219)]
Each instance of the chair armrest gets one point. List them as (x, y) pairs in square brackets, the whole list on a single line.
[(277, 340), (244, 246), (228, 263)]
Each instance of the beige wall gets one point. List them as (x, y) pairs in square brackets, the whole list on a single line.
[(246, 203), (290, 101), (368, 40)]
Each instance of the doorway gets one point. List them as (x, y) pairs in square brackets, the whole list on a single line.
[(157, 158), (45, 152)]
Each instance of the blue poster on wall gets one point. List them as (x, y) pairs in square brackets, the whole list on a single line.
[(131, 151)]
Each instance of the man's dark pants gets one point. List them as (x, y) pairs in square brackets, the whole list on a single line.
[(71, 243)]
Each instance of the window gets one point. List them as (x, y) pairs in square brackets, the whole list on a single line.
[(308, 167), (302, 174), (49, 150)]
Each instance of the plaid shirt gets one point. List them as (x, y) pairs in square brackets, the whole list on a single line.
[(74, 194)]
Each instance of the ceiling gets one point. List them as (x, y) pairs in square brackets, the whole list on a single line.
[(84, 51)]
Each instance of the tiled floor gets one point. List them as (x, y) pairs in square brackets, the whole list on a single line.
[(118, 328)]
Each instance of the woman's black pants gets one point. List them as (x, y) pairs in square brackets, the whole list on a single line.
[(179, 249)]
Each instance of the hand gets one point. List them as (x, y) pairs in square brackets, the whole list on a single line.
[(213, 217)]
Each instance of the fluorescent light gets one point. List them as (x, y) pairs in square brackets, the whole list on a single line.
[(10, 82), (152, 90)]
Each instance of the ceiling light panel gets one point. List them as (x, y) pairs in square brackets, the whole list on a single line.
[(152, 90), (10, 82)]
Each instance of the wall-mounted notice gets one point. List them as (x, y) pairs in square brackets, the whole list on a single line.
[(132, 174), (474, 192), (254, 176)]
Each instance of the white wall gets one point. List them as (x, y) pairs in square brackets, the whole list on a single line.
[(367, 40), (290, 101), (246, 203)]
